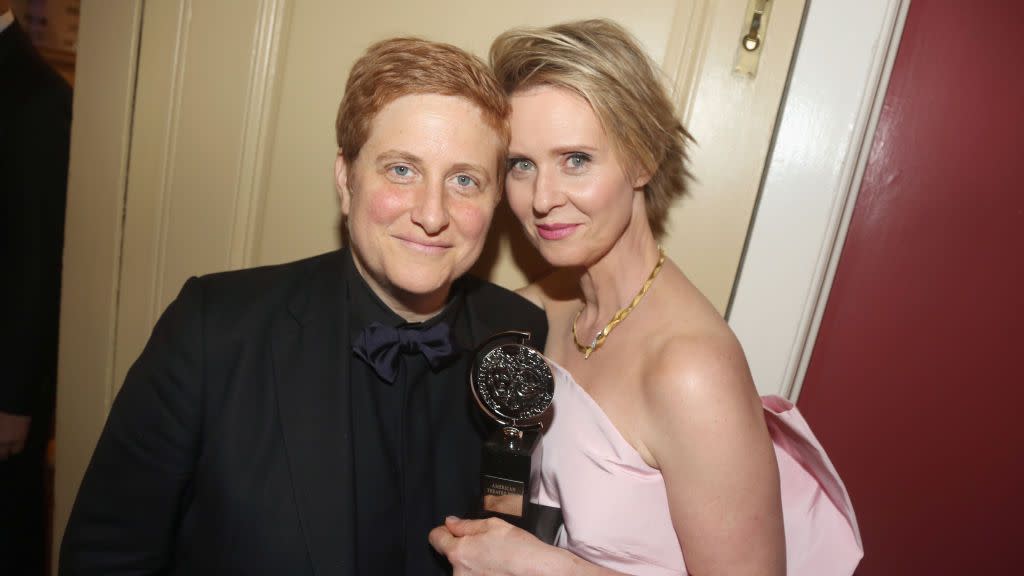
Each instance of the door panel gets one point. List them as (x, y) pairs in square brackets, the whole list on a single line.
[(914, 385)]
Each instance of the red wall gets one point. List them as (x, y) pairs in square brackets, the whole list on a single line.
[(916, 383)]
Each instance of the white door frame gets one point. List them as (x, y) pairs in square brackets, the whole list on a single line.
[(827, 123), (105, 74)]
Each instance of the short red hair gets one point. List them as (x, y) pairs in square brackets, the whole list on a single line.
[(400, 67)]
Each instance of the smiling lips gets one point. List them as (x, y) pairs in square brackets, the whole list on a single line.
[(425, 246), (555, 231)]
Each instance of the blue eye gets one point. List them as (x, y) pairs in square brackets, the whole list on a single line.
[(577, 160), (519, 164), (400, 170), (464, 180)]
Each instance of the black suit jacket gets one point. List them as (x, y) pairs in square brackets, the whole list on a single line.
[(35, 127), (229, 448)]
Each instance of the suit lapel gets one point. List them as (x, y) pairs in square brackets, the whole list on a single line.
[(310, 367)]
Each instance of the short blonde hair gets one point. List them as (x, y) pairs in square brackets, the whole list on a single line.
[(603, 63), (400, 67)]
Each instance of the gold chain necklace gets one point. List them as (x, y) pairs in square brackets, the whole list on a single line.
[(619, 316)]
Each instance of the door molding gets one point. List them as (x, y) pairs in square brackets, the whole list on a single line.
[(826, 126), (200, 152), (685, 53), (258, 130), (101, 135)]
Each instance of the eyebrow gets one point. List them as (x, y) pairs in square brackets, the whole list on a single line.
[(558, 150), (389, 155), (468, 166), (574, 148)]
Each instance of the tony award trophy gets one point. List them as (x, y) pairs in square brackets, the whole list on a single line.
[(514, 386)]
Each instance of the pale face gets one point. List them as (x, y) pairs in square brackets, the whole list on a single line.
[(419, 198), (565, 182)]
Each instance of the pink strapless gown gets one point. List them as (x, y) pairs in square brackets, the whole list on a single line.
[(616, 511)]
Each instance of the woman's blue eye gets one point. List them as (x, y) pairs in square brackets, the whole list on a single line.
[(400, 170), (464, 180), (520, 164), (577, 160)]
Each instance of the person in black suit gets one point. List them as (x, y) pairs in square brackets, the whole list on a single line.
[(35, 127), (315, 417)]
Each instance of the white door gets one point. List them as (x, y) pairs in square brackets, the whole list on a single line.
[(203, 141)]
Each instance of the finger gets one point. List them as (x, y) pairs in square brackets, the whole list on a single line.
[(441, 539), (462, 527)]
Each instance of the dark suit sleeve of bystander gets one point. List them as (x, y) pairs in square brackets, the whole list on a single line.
[(35, 126), (129, 504)]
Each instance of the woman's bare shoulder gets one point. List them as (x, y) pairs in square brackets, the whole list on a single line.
[(710, 357), (697, 386), (697, 364)]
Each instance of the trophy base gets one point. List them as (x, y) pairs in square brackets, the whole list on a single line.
[(505, 484), (505, 473)]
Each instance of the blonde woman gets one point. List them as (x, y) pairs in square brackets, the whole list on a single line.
[(658, 449)]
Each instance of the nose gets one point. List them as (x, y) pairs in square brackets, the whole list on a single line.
[(431, 209), (548, 193)]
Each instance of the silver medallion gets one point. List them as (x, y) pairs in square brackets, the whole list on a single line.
[(512, 383)]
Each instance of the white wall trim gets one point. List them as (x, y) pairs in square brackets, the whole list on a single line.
[(827, 124), (853, 191), (165, 192), (257, 134), (101, 135), (685, 55)]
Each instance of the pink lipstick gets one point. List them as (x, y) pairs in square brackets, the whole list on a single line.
[(555, 231)]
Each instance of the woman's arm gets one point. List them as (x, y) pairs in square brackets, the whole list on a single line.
[(705, 431), (495, 547)]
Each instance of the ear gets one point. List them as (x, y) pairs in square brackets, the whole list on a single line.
[(641, 180), (341, 182)]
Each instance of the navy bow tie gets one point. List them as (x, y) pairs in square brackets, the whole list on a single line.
[(381, 346)]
